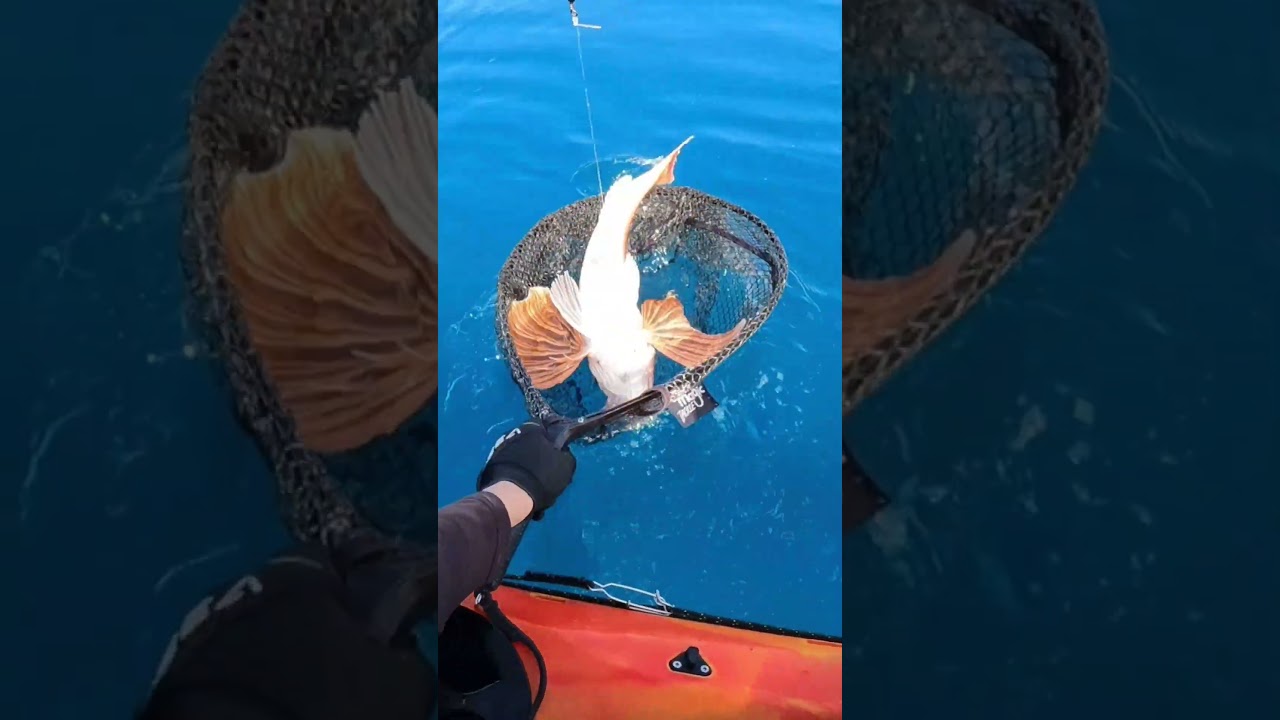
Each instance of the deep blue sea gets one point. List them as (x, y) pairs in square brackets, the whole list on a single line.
[(129, 489), (720, 515), (1085, 469)]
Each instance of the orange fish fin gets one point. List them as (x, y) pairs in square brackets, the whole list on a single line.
[(339, 304), (627, 194), (548, 348), (667, 166), (875, 309), (671, 334)]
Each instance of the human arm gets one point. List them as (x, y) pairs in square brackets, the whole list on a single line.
[(523, 476), (518, 503), (313, 634), (474, 532)]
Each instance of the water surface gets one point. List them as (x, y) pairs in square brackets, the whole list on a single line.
[(1085, 468), (718, 517)]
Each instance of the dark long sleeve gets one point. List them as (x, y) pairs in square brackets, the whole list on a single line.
[(474, 533)]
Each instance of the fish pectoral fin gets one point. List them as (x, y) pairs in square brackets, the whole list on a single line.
[(671, 334), (875, 309), (549, 349), (339, 306), (565, 297), (397, 155)]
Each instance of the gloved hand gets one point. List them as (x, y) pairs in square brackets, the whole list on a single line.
[(315, 634), (527, 457)]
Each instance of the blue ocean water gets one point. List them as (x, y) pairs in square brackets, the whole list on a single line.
[(717, 517), (1085, 468), (129, 489)]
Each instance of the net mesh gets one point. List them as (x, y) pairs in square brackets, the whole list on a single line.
[(723, 263), (960, 116), (284, 66)]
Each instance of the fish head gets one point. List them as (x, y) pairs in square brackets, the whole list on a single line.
[(624, 368)]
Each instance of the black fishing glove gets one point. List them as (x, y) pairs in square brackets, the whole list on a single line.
[(528, 458), (313, 635)]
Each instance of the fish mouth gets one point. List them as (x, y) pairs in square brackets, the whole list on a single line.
[(632, 414)]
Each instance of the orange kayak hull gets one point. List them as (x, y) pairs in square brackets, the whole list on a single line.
[(605, 661)]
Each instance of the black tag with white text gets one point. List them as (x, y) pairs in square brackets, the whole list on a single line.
[(689, 404)]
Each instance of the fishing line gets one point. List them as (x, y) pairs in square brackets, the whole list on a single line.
[(582, 65)]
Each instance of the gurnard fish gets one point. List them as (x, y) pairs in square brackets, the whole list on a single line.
[(599, 317)]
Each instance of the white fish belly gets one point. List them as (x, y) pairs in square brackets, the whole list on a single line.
[(623, 374)]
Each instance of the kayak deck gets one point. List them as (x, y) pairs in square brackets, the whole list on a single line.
[(605, 661)]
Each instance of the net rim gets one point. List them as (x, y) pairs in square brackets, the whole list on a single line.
[(771, 253), (313, 505), (1077, 50)]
